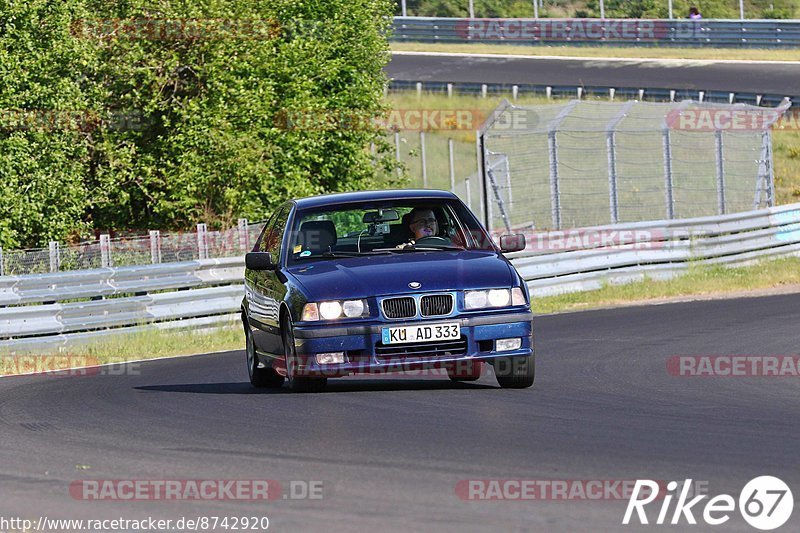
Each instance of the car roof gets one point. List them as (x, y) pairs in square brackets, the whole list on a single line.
[(364, 196)]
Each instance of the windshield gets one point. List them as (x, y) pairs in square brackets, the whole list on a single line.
[(389, 227)]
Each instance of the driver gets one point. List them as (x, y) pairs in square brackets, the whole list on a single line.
[(422, 223)]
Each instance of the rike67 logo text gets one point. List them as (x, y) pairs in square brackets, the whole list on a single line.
[(765, 503)]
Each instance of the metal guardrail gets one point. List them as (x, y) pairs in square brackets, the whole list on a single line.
[(657, 249), (616, 32), (208, 293), (649, 94)]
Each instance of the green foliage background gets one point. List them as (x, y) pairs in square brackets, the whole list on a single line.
[(173, 130), (591, 8)]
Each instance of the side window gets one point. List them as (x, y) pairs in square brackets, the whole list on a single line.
[(264, 232), (276, 233)]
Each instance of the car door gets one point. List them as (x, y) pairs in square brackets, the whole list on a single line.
[(265, 289)]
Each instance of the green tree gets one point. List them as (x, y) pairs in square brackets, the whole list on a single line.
[(186, 103)]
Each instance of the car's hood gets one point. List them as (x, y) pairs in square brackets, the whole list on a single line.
[(362, 277)]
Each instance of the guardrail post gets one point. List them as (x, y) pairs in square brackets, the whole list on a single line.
[(105, 251), (244, 235), (484, 90), (720, 172), (515, 91), (423, 160), (2, 266), (419, 89), (155, 246), (449, 90), (670, 198), (202, 241), (452, 166), (55, 256)]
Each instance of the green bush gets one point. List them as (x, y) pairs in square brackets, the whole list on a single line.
[(185, 104)]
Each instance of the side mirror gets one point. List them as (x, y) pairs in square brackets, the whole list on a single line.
[(512, 243), (259, 261)]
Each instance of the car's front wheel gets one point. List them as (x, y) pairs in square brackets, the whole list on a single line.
[(261, 377), (515, 372), (297, 383)]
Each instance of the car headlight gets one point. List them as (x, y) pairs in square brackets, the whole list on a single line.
[(334, 309), (493, 298)]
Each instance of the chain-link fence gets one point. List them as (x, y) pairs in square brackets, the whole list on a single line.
[(153, 248), (588, 163)]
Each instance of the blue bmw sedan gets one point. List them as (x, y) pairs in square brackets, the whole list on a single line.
[(383, 281)]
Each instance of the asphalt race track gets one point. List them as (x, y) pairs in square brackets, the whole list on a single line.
[(748, 77), (390, 452)]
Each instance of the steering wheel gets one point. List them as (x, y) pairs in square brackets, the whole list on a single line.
[(432, 239)]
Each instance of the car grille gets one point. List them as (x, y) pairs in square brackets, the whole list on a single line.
[(399, 307), (422, 349), (436, 305)]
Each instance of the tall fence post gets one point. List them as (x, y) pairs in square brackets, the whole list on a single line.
[(2, 266), (202, 241), (105, 251), (468, 193), (452, 165), (55, 256), (767, 140), (552, 152), (155, 246), (397, 152), (613, 204), (481, 177), (720, 172), (244, 235), (423, 160), (765, 181), (611, 151), (668, 187), (555, 196)]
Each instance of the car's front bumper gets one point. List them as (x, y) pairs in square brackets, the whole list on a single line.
[(358, 342)]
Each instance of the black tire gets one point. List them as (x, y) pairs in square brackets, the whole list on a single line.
[(260, 377), (465, 371), (515, 372), (297, 383)]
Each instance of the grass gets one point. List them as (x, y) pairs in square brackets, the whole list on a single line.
[(734, 54), (150, 344), (699, 281)]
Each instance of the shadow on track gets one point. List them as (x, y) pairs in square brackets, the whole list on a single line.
[(344, 385)]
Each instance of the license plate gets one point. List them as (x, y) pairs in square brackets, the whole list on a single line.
[(421, 333)]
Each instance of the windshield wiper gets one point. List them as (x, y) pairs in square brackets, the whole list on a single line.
[(415, 248)]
